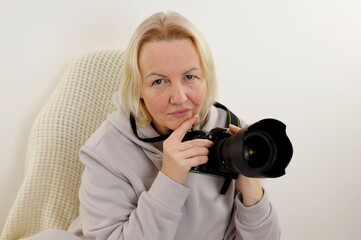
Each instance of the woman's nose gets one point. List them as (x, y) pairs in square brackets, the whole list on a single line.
[(178, 94)]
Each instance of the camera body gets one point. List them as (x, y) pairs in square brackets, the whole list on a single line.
[(261, 150)]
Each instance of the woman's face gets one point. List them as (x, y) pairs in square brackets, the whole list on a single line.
[(173, 87)]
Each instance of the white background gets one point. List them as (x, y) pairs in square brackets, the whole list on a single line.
[(297, 61)]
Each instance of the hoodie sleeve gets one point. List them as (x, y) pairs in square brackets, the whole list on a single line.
[(111, 209), (257, 222)]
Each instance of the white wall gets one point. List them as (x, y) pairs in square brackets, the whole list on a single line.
[(298, 61)]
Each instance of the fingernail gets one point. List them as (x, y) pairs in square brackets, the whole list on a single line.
[(196, 117)]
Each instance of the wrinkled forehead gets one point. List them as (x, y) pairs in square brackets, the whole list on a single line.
[(168, 57)]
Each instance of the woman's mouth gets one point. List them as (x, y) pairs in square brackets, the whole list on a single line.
[(180, 113)]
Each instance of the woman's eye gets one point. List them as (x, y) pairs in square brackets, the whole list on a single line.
[(190, 77), (158, 82)]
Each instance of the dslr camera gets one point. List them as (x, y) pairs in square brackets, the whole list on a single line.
[(261, 150)]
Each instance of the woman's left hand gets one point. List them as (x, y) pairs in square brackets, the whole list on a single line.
[(250, 188)]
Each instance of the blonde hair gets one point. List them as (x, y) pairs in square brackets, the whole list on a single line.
[(158, 27)]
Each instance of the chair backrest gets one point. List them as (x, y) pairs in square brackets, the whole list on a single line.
[(48, 196)]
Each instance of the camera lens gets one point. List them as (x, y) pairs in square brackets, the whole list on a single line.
[(259, 150)]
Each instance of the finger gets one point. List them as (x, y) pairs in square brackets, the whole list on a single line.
[(195, 143), (195, 152), (181, 131), (232, 129), (198, 160)]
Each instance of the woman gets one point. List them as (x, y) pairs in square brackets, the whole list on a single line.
[(137, 183)]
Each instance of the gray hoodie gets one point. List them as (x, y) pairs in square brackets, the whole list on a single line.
[(124, 195)]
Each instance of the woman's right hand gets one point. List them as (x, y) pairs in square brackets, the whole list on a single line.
[(179, 157)]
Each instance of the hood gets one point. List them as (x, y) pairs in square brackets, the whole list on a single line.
[(120, 120)]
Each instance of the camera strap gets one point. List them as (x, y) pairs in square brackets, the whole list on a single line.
[(148, 140), (231, 119)]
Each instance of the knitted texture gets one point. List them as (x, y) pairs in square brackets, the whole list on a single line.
[(48, 196)]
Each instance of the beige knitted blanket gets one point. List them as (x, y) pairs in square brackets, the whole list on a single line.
[(48, 196)]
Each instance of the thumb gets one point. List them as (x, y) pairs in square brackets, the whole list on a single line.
[(181, 131)]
